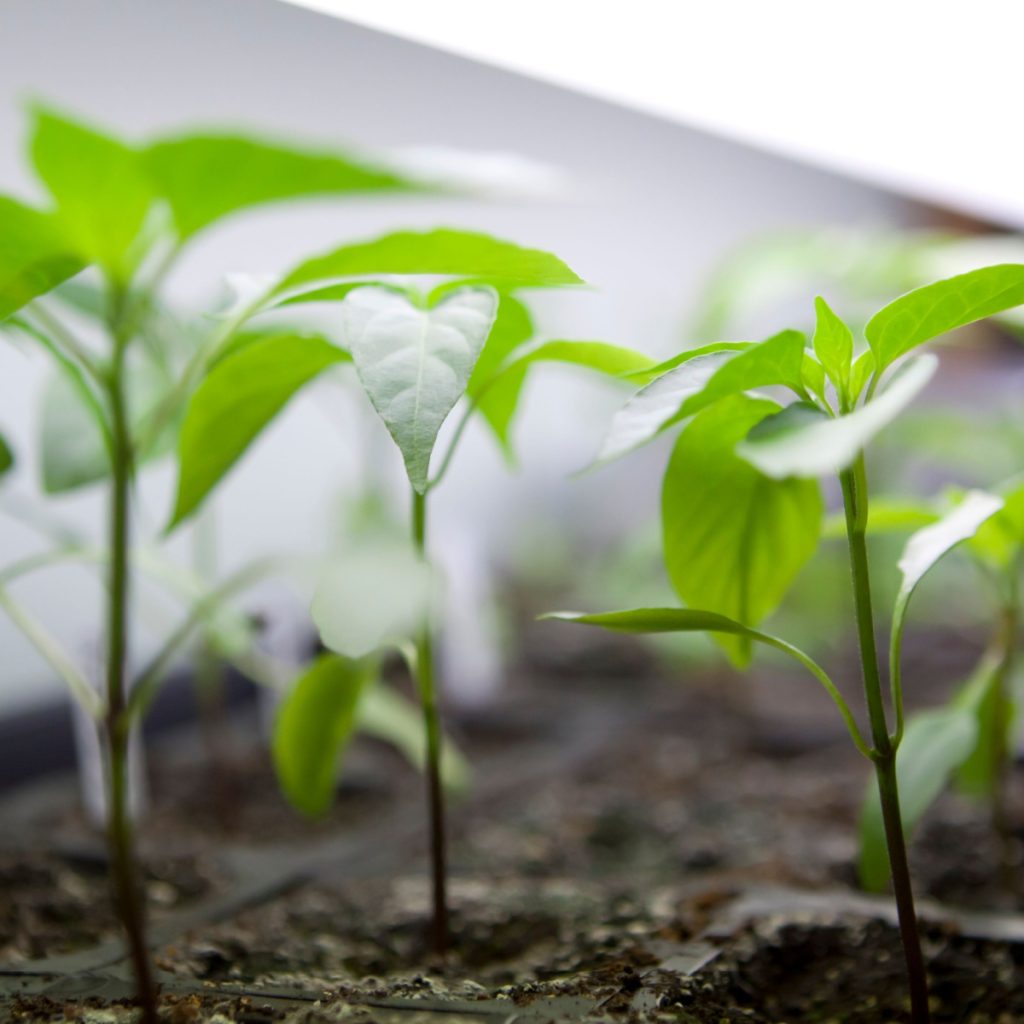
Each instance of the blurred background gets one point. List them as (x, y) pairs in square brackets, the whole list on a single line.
[(684, 235)]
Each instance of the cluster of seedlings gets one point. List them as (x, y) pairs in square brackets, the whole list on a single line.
[(759, 424)]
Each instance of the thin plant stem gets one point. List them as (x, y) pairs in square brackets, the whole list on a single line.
[(116, 726), (855, 503), (432, 728)]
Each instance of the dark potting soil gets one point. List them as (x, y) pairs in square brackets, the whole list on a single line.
[(588, 862)]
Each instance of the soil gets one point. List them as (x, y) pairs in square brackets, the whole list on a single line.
[(632, 849)]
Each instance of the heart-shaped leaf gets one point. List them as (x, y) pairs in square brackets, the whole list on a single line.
[(415, 363)]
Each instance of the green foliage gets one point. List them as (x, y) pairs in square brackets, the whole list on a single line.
[(372, 597), (415, 363), (444, 251), (934, 744), (803, 441), (6, 457), (207, 177), (833, 345), (101, 188), (698, 382), (236, 401), (498, 398), (734, 539), (35, 255), (314, 725), (937, 308)]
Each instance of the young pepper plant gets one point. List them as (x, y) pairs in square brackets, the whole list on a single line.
[(742, 510), (416, 356), (968, 740), (128, 212)]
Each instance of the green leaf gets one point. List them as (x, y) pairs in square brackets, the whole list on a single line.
[(73, 452), (833, 345), (922, 552), (988, 694), (935, 743), (699, 382), (415, 363), (863, 368), (237, 399), (389, 716), (102, 191), (444, 252), (812, 374), (499, 398), (207, 177), (375, 596), (6, 457), (799, 442), (313, 727), (35, 255), (691, 620), (999, 539), (927, 312), (926, 547), (651, 372), (734, 540)]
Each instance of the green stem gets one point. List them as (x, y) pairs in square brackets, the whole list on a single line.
[(855, 503), (432, 728), (127, 887)]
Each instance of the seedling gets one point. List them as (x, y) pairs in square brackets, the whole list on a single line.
[(742, 509), (129, 212), (969, 739), (416, 356)]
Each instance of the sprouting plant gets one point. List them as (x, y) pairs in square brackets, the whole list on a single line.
[(129, 212), (969, 739), (416, 355), (742, 510)]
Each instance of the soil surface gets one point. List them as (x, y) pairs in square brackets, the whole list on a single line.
[(619, 816)]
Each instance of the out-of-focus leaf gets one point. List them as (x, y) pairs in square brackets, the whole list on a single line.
[(935, 743), (499, 398), (393, 718), (800, 442), (444, 252), (998, 541), (35, 255), (6, 457), (102, 191), (927, 312), (206, 177), (734, 539), (415, 363), (314, 725), (236, 401), (375, 596)]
